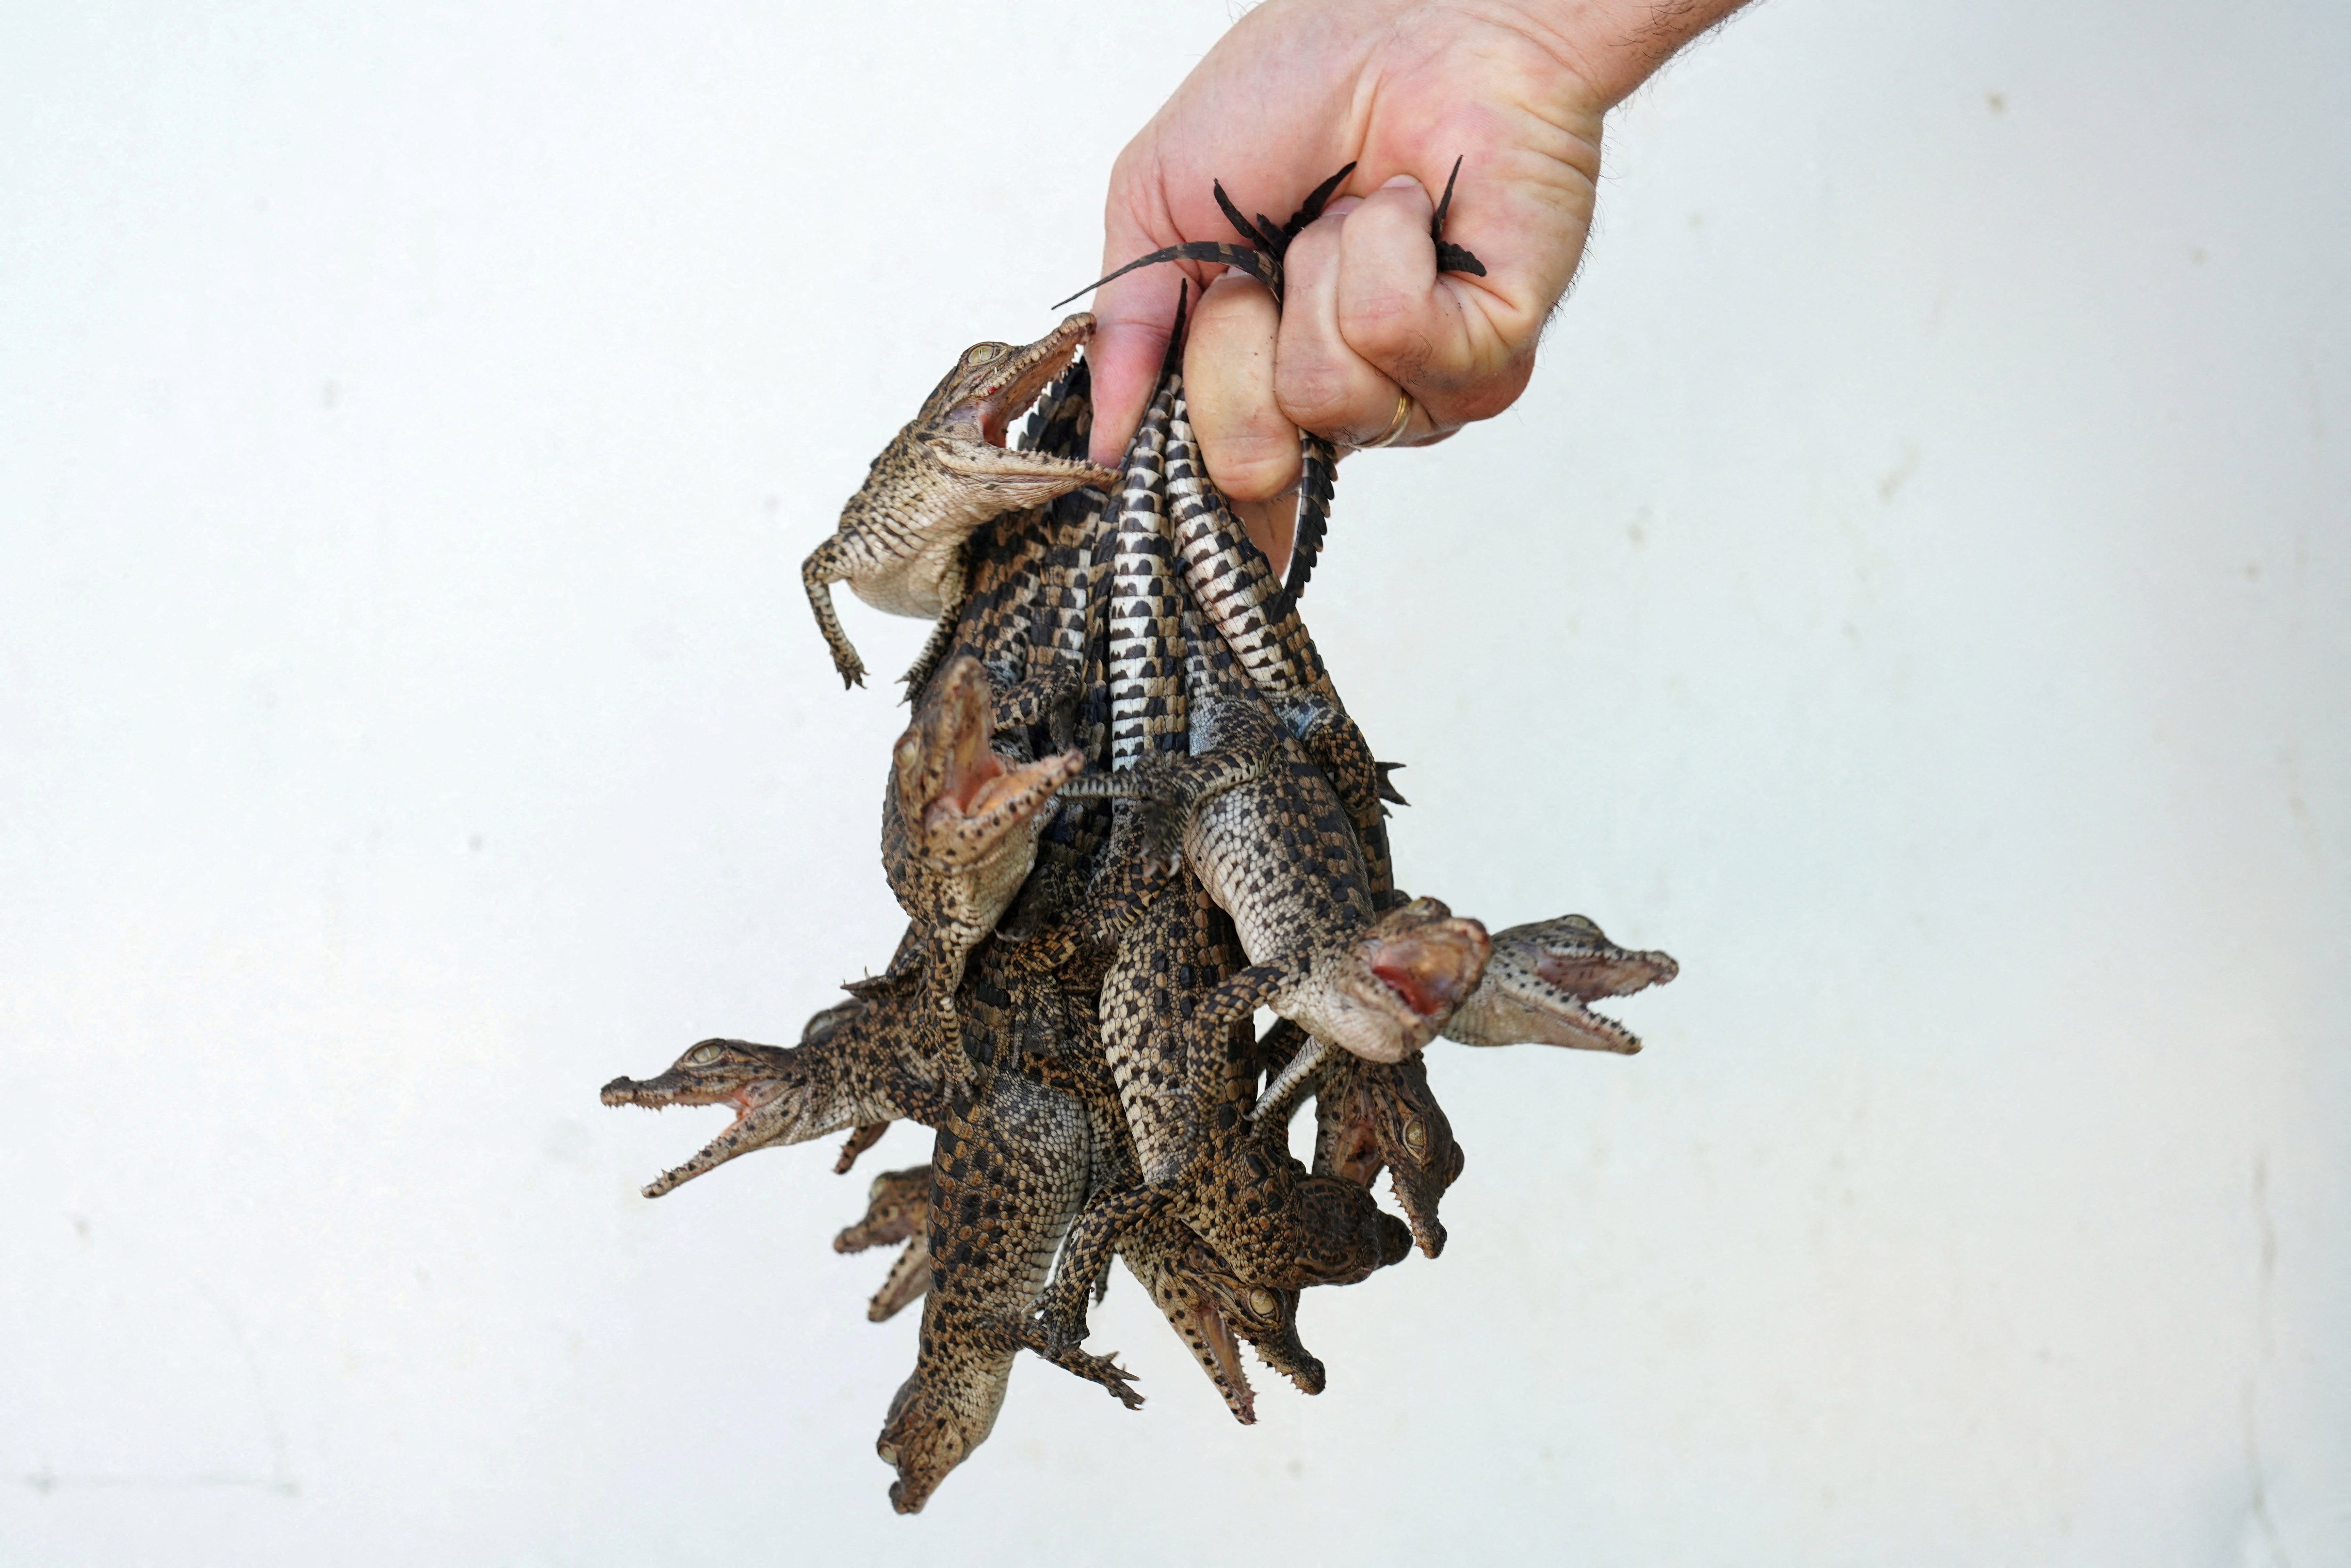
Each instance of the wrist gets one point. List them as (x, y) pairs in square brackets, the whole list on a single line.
[(1615, 46)]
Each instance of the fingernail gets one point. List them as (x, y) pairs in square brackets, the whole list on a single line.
[(1403, 182), (1342, 206)]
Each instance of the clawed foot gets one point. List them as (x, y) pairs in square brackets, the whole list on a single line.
[(1101, 1369), (852, 668)]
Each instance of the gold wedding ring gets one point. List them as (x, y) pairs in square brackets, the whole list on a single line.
[(1395, 426)]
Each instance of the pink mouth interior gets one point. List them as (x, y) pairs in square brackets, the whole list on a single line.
[(1425, 993)]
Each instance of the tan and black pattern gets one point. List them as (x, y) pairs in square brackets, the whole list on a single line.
[(1129, 810), (1007, 1176), (1277, 853), (1235, 590), (899, 545), (959, 825)]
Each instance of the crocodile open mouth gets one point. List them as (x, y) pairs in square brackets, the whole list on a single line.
[(1220, 1356), (1540, 979), (741, 1135), (1023, 375), (1432, 968), (973, 783), (1604, 969), (655, 1094)]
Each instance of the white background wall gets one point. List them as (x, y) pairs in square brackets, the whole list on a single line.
[(1915, 591)]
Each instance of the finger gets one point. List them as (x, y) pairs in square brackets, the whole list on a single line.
[(1132, 316), (1250, 450), (1396, 313), (1320, 380)]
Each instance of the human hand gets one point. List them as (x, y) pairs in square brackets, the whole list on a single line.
[(1515, 89)]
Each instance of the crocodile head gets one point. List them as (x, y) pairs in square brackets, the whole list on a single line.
[(965, 810), (769, 1087), (993, 384), (933, 1426), (1266, 1318), (1389, 1118), (1388, 992), (1540, 978), (896, 1206), (1343, 1236)]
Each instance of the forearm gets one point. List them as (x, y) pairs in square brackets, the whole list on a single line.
[(1617, 45)]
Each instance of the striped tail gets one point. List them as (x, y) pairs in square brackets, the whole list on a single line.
[(1146, 599)]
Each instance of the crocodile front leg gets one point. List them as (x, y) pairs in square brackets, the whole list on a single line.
[(826, 564)]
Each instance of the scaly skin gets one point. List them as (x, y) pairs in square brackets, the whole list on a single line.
[(1193, 1288), (1540, 976), (1028, 575), (1007, 1174), (878, 1057), (1145, 656), (897, 1209), (900, 542), (1238, 594), (1266, 1318)]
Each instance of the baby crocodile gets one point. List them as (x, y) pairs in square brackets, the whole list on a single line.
[(1277, 853), (900, 543), (1370, 1114), (1208, 1305), (1009, 1171), (897, 1209), (1238, 1188)]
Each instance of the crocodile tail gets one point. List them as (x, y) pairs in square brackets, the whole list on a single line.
[(1451, 257), (1256, 264), (1146, 604), (1318, 477)]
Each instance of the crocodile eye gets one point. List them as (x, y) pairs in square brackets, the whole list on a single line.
[(1262, 1302), (703, 1055), (887, 1212), (1415, 1137), (981, 353)]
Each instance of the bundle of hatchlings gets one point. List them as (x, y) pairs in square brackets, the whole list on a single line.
[(1130, 811)]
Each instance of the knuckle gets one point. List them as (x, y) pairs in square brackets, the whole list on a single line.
[(1253, 467)]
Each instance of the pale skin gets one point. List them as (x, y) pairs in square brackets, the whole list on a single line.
[(1516, 88)]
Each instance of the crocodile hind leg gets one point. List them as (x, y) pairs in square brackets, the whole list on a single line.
[(1101, 1369), (859, 1140), (1061, 1322)]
